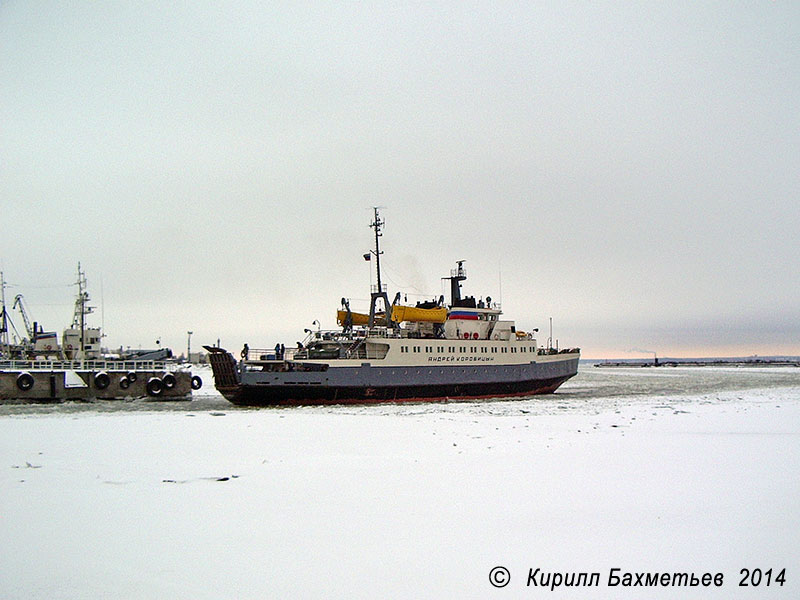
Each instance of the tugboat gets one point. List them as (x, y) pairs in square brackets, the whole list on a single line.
[(39, 370), (427, 352)]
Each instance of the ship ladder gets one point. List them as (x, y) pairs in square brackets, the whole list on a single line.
[(353, 348)]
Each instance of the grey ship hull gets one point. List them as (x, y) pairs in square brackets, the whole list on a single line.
[(308, 383), (44, 381)]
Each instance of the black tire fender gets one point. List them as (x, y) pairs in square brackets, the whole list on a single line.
[(25, 381), (101, 380), (169, 380), (155, 387)]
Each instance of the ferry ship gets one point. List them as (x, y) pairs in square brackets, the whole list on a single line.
[(429, 352)]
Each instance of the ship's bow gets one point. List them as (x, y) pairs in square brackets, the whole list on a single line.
[(226, 375)]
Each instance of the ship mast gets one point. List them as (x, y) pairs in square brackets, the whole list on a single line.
[(81, 310), (376, 225), (379, 291), (3, 317), (456, 277)]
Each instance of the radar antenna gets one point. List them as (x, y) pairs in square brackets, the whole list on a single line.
[(457, 275)]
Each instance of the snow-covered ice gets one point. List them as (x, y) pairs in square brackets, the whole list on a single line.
[(650, 470)]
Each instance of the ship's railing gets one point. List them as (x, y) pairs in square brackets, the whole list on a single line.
[(545, 351), (262, 354), (357, 333), (381, 332), (349, 343), (90, 365)]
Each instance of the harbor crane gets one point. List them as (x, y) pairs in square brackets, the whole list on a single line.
[(39, 341), (18, 303)]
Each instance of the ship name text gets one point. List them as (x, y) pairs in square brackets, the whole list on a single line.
[(461, 359)]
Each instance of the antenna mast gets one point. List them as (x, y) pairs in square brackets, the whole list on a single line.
[(81, 310), (457, 275), (379, 291), (4, 316), (376, 225)]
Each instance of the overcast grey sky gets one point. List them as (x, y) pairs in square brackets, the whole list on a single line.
[(629, 169)]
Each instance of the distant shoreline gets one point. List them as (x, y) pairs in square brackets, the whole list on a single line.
[(751, 361)]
